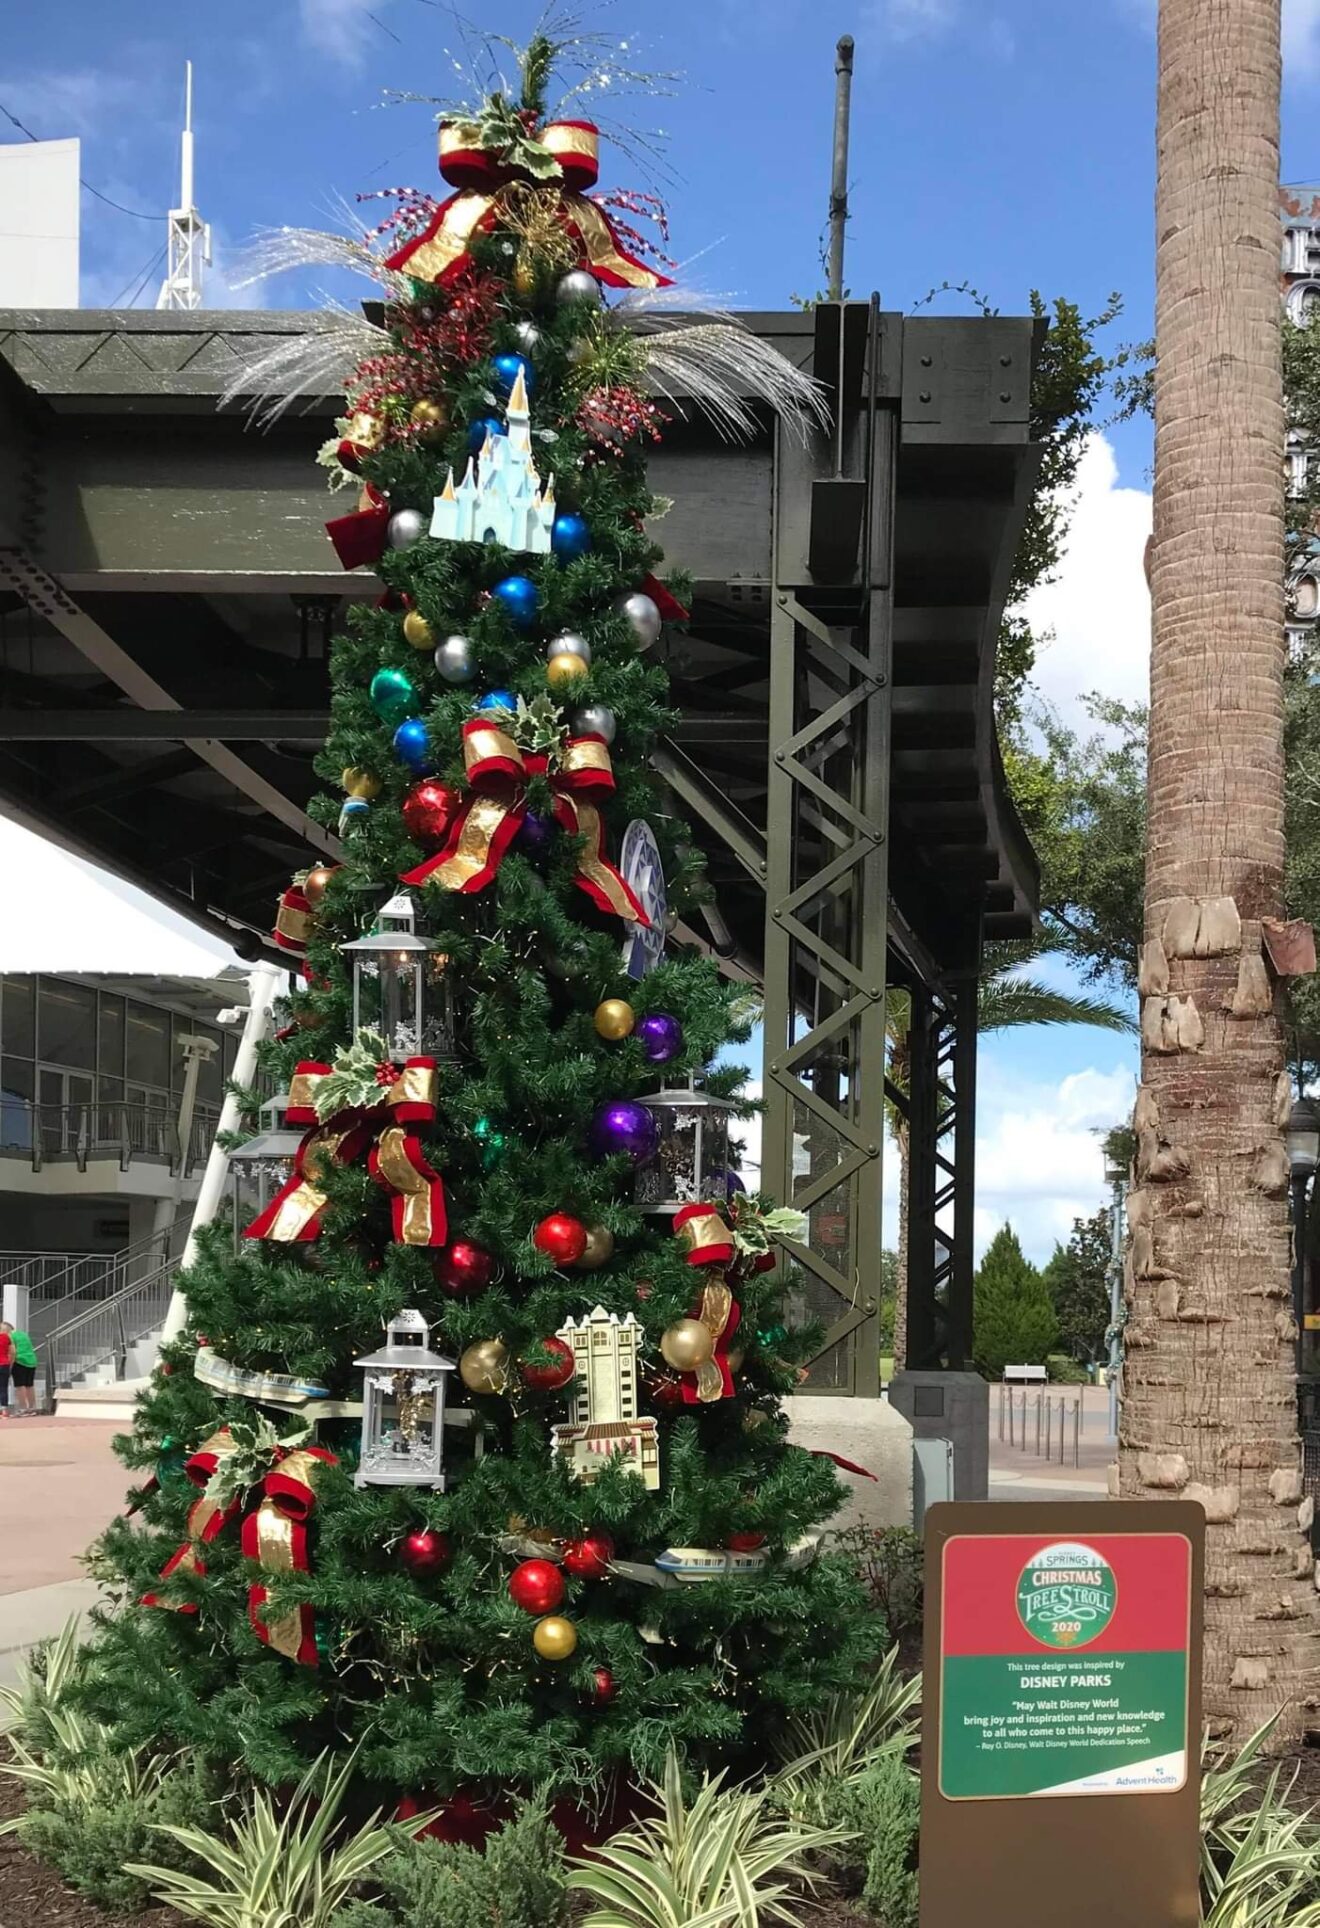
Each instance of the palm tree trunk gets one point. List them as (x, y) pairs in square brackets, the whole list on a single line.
[(901, 1139), (1209, 1410)]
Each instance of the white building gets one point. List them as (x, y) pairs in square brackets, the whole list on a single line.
[(39, 234), (500, 498)]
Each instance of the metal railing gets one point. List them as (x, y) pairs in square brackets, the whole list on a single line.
[(1038, 1422), (107, 1331), (111, 1130), (91, 1281), (38, 1275)]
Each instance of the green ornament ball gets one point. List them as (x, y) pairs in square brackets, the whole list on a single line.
[(170, 1462), (773, 1335), (392, 695)]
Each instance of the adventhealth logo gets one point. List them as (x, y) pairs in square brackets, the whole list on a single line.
[(1066, 1594)]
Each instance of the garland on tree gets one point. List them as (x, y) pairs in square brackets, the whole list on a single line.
[(529, 1614)]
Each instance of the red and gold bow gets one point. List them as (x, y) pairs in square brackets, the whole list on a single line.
[(705, 1237), (394, 1158), (361, 537), (293, 922), (480, 172), (497, 771), (718, 1311), (275, 1535)]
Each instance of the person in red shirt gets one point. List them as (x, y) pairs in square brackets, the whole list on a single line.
[(6, 1363)]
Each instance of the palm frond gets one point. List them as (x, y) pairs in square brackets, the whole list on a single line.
[(1009, 1003)]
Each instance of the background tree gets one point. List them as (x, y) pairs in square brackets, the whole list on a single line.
[(1209, 1399), (1013, 1319), (1077, 1279)]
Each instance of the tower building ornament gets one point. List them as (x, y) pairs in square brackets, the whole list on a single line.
[(501, 498)]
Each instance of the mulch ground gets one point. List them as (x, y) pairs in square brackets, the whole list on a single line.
[(31, 1893)]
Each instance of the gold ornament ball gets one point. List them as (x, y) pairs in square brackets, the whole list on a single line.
[(615, 1018), (554, 1638), (315, 883), (362, 783), (430, 419), (417, 631), (560, 671), (687, 1345), (600, 1248), (484, 1367)]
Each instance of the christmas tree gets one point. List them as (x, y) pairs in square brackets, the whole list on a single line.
[(552, 1524)]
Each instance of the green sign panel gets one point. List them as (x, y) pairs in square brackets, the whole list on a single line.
[(1064, 1665)]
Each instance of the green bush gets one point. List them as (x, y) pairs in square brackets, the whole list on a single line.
[(1065, 1371), (885, 1809), (89, 1840), (889, 1562), (517, 1881)]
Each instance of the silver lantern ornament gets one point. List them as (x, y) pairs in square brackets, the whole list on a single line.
[(691, 1164), (403, 1409), (642, 616), (261, 1165), (406, 526), (401, 986)]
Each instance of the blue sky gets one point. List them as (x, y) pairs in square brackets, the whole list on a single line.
[(1003, 143)]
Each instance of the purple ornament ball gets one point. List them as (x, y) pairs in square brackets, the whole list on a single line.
[(625, 1126), (660, 1036), (733, 1184), (533, 834)]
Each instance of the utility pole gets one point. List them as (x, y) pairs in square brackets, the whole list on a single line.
[(189, 236), (843, 72)]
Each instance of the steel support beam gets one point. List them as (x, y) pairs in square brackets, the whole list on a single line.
[(941, 1173), (827, 895), (49, 599), (163, 726)]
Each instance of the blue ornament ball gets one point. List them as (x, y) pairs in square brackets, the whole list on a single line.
[(412, 745), (570, 537), (478, 431), (498, 702), (507, 370), (521, 599)]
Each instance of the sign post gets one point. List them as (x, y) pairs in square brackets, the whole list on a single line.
[(1062, 1712)]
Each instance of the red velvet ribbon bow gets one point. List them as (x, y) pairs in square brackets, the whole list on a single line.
[(274, 1534), (394, 1158), (497, 770), (361, 537), (293, 922), (439, 251)]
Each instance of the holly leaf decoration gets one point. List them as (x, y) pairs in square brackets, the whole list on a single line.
[(256, 1447), (538, 726), (352, 1083), (754, 1228), (502, 130)]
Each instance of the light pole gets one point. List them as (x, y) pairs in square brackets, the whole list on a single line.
[(1116, 1173), (1303, 1156)]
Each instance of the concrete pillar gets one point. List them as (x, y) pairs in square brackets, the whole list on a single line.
[(872, 1434), (953, 1406)]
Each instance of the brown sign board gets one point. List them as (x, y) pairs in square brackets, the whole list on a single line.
[(1061, 1713)]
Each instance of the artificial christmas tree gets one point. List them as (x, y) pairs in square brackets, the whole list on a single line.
[(568, 1530)]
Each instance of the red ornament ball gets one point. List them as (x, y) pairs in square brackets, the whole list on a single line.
[(603, 1688), (744, 1542), (462, 1267), (549, 1374), (424, 1551), (589, 1558), (537, 1586), (429, 810), (562, 1238)]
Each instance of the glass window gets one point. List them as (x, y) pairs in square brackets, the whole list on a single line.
[(148, 1042), (17, 1015), (15, 1089), (211, 1076), (110, 1037), (66, 1023)]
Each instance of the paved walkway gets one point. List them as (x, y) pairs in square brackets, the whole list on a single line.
[(59, 1484), (1020, 1472)]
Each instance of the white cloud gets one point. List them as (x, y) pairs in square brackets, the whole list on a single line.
[(1098, 608), (341, 29), (1038, 1160), (63, 914), (913, 19)]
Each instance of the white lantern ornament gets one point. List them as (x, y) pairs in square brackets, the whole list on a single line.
[(403, 1409), (398, 991), (262, 1164)]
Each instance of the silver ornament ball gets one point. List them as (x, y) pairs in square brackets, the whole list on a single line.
[(642, 617), (568, 645), (593, 719), (453, 659), (406, 527), (528, 334), (578, 285)]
